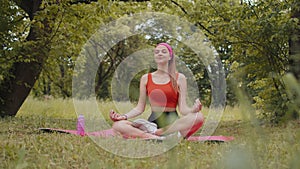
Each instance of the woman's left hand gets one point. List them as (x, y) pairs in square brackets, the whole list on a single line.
[(116, 116), (197, 106)]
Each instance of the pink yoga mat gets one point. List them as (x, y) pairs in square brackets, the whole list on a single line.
[(111, 133), (102, 133)]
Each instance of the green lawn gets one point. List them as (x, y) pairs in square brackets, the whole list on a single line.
[(22, 145)]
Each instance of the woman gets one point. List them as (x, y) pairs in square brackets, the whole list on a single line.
[(166, 90)]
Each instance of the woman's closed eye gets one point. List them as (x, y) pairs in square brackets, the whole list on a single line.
[(158, 51)]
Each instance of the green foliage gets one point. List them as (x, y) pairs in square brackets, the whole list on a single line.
[(251, 38), (74, 25), (242, 33), (13, 31), (255, 38)]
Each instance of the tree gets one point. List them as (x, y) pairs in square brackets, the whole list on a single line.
[(292, 80), (14, 88), (294, 42), (252, 39), (35, 50)]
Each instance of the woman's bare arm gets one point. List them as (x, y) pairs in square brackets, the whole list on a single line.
[(183, 107), (139, 109)]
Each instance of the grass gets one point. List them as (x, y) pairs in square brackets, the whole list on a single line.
[(22, 145)]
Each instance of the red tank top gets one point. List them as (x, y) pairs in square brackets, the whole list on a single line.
[(162, 95)]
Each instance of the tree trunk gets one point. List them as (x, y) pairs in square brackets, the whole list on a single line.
[(294, 64), (15, 88), (295, 46)]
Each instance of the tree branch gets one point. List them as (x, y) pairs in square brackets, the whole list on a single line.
[(197, 23), (181, 7)]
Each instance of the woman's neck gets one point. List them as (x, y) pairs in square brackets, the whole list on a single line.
[(162, 69)]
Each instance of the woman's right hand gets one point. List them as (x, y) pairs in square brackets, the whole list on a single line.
[(116, 116), (197, 106)]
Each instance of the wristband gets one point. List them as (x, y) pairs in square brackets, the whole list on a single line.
[(126, 117)]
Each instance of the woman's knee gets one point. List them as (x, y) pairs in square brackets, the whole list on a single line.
[(196, 118), (118, 125), (199, 118), (197, 122)]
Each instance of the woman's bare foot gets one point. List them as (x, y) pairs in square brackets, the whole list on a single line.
[(149, 136)]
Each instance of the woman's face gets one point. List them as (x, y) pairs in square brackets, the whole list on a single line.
[(161, 54)]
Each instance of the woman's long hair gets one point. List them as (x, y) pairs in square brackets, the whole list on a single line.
[(172, 73)]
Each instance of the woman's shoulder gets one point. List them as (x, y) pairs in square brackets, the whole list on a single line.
[(181, 76), (181, 80), (144, 78)]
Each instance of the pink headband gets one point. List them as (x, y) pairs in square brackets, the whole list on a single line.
[(168, 47)]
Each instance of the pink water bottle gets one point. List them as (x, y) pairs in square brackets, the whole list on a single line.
[(80, 125)]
